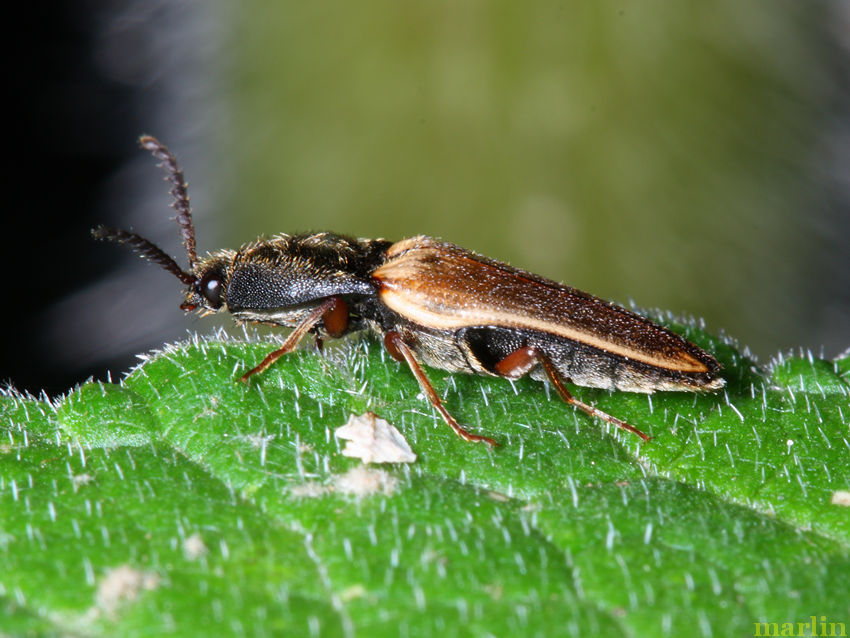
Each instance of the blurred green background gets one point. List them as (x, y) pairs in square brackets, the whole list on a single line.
[(688, 156), (673, 154)]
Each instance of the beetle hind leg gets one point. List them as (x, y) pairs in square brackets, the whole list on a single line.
[(522, 360)]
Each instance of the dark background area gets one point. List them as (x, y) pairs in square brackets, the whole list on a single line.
[(85, 79), (70, 128)]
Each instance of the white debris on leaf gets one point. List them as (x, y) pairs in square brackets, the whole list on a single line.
[(81, 479), (363, 481), (194, 547), (373, 440), (120, 585), (311, 489), (359, 481), (841, 497)]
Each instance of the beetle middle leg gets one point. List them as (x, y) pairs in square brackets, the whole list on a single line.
[(522, 360), (400, 351)]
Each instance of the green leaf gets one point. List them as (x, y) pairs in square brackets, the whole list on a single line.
[(182, 500)]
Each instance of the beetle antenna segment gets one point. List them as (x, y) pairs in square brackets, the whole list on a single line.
[(145, 249), (179, 192)]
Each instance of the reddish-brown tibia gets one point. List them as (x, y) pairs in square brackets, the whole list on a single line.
[(552, 373), (400, 351), (521, 360), (328, 308)]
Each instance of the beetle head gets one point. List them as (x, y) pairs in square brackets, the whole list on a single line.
[(205, 278), (207, 290)]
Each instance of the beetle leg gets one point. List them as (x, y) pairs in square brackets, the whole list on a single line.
[(517, 363), (522, 360), (400, 351), (330, 308), (555, 378), (335, 318)]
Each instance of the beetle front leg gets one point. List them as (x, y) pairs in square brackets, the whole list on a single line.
[(400, 351), (521, 360), (335, 313)]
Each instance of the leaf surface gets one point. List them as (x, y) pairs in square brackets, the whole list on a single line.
[(226, 507)]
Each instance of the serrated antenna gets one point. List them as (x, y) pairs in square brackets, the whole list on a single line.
[(145, 248), (179, 192)]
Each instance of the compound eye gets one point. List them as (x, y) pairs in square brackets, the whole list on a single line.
[(210, 289)]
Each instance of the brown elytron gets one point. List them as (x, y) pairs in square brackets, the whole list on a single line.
[(445, 287), (432, 303)]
